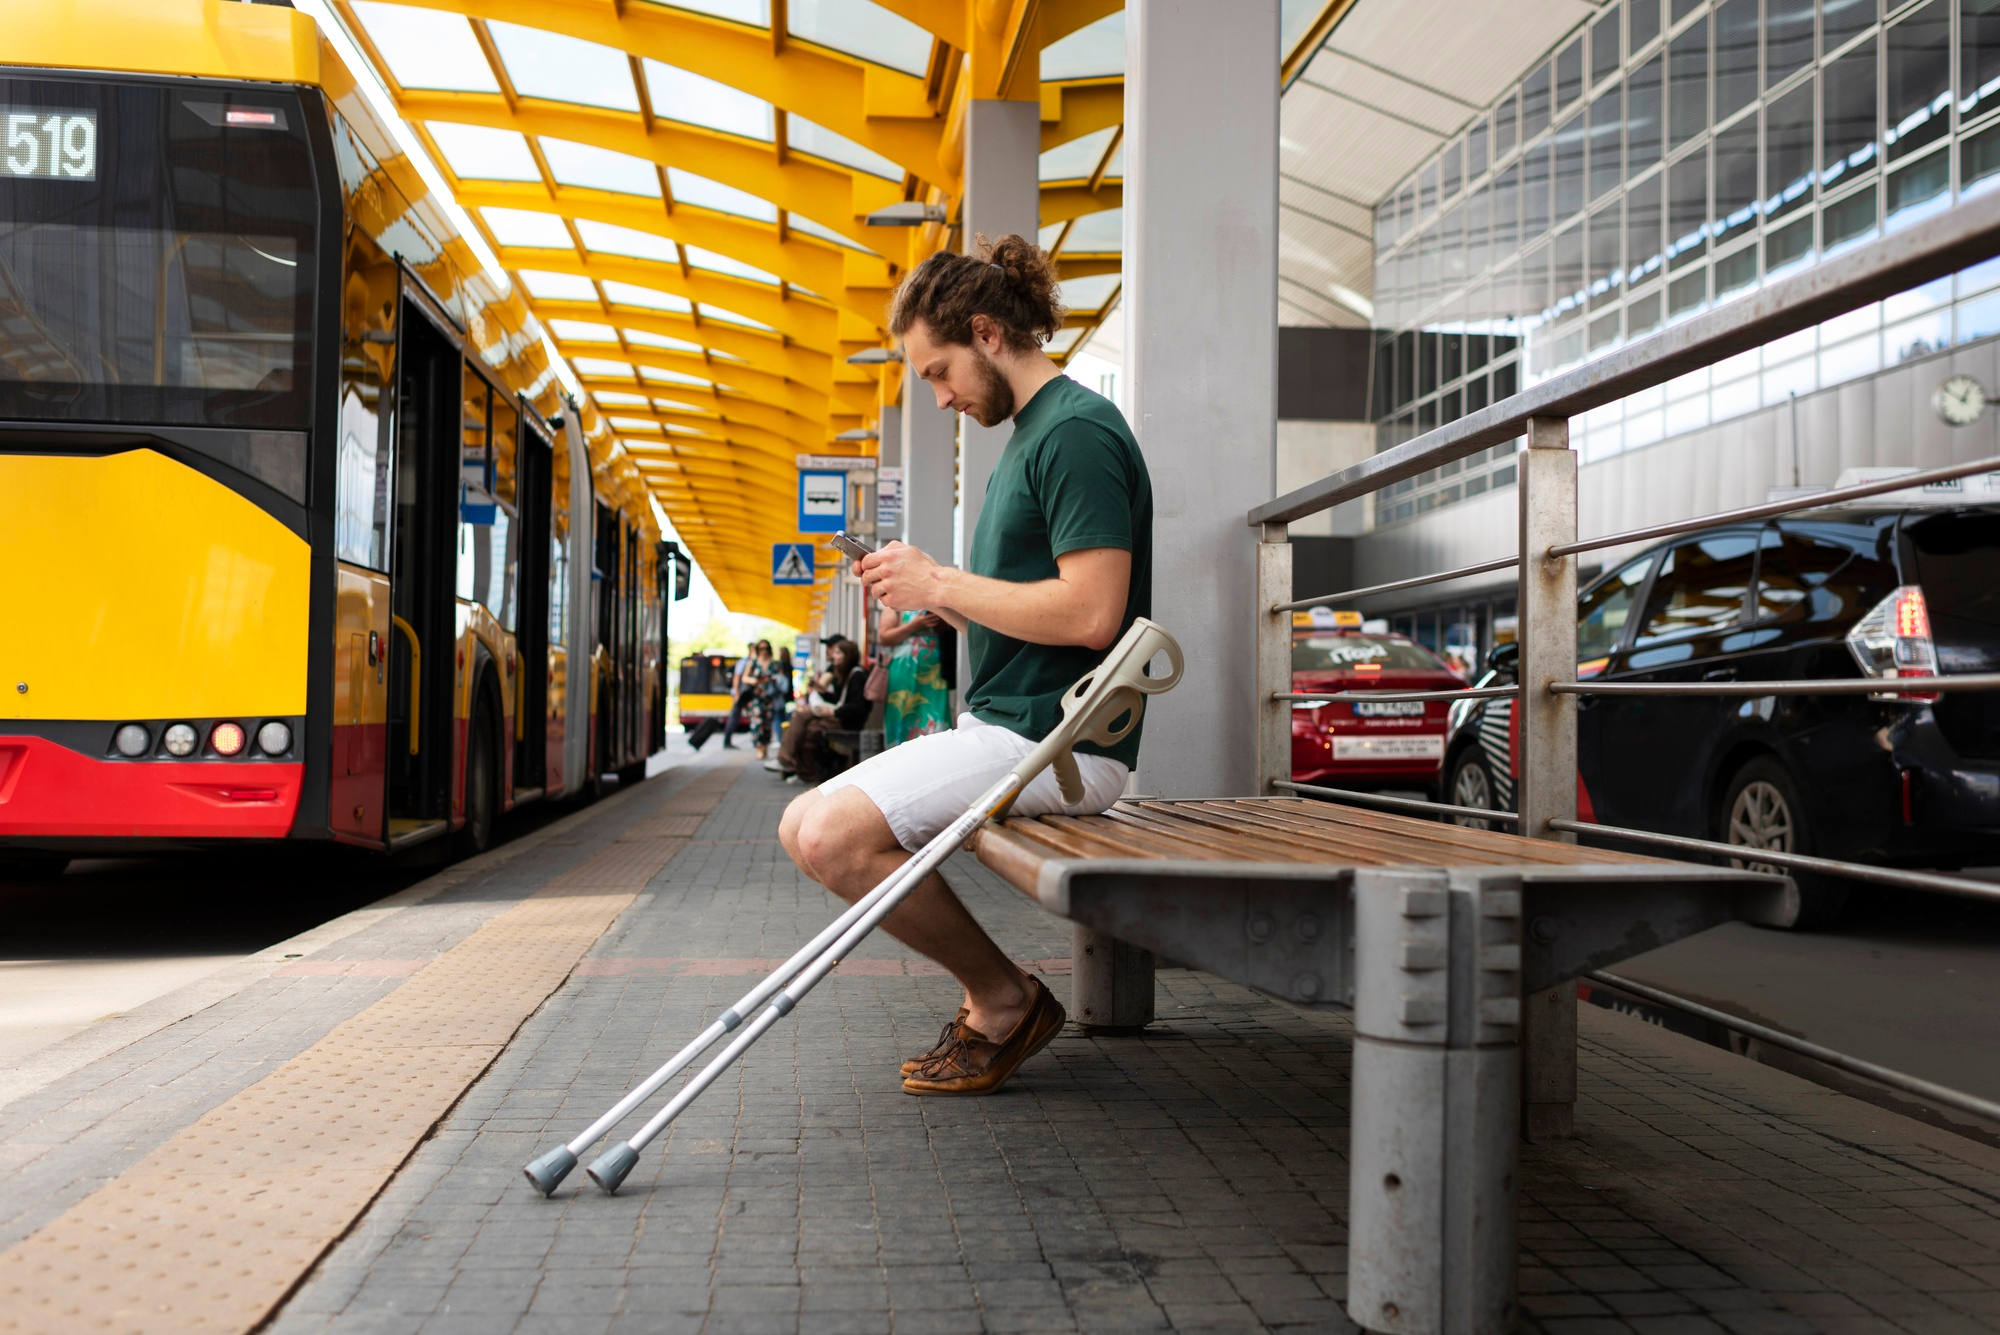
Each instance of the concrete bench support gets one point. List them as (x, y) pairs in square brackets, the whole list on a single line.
[(1548, 1064), (1437, 1011), (1111, 983)]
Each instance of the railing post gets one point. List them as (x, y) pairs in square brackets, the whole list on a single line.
[(1274, 657), (1545, 788)]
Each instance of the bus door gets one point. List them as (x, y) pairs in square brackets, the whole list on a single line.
[(606, 583), (534, 472), (423, 569)]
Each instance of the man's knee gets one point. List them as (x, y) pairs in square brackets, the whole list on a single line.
[(789, 825), (838, 836)]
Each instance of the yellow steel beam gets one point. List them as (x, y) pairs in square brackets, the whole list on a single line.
[(721, 432), (762, 351), (775, 391), (849, 279), (728, 407), (1060, 203), (831, 196), (800, 319), (880, 108), (1077, 107)]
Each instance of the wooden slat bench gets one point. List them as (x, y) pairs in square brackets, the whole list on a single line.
[(1433, 934)]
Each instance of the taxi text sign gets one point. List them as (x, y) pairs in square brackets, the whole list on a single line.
[(822, 501)]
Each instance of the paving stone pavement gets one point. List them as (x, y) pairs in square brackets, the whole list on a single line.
[(1189, 1179), (63, 1141)]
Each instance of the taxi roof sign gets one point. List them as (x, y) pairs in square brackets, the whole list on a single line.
[(1326, 618)]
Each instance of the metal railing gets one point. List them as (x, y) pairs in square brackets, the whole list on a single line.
[(1546, 698)]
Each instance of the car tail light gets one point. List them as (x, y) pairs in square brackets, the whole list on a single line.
[(1894, 640), (227, 739)]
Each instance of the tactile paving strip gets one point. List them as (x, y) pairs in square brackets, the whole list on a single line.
[(212, 1230)]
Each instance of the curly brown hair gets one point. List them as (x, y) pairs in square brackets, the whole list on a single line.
[(1011, 281)]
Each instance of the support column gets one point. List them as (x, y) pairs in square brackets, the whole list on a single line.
[(1546, 787), (1201, 346), (1003, 190), (930, 467)]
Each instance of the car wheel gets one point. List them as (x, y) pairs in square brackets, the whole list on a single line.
[(1761, 809), (1471, 785), (482, 779), (32, 866)]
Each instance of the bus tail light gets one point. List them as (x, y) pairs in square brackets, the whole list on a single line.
[(132, 741), (274, 738), (227, 739), (181, 740)]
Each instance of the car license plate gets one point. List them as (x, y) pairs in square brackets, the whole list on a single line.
[(1389, 709), (1430, 747)]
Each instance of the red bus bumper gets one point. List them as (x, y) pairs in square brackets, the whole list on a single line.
[(48, 790)]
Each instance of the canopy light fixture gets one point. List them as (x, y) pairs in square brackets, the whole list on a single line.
[(908, 213), (858, 434), (874, 357)]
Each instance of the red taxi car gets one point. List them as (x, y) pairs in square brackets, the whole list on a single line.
[(1366, 744)]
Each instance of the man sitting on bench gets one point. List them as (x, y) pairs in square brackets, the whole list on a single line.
[(1060, 565)]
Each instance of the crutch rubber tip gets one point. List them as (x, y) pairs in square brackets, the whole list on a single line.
[(548, 1171), (612, 1166)]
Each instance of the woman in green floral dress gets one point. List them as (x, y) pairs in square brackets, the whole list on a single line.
[(918, 702)]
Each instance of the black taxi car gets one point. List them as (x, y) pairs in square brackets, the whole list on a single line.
[(1884, 592)]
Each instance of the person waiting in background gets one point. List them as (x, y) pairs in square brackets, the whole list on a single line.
[(803, 755), (918, 702), (751, 671), (774, 693)]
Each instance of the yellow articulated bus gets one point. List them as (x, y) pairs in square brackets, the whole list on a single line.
[(298, 537)]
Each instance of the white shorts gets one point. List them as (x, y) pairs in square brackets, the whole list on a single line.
[(927, 782)]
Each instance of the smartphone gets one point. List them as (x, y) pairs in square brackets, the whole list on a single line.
[(849, 545)]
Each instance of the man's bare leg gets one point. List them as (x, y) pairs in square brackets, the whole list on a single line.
[(843, 841)]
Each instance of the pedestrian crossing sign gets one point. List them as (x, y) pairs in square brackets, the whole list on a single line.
[(791, 563)]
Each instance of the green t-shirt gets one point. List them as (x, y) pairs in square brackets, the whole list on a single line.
[(1070, 478)]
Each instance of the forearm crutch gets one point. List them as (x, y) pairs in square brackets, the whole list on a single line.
[(1103, 707)]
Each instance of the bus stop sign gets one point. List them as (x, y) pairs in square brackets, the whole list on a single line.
[(791, 563)]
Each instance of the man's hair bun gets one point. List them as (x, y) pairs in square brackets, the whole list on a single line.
[(1011, 281)]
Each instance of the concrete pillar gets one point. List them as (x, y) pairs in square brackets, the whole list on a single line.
[(1201, 344), (930, 465), (1003, 148), (890, 429)]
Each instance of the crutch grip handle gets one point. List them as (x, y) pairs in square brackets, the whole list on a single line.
[(1105, 705), (1068, 778)]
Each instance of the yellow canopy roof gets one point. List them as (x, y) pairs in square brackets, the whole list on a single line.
[(681, 192)]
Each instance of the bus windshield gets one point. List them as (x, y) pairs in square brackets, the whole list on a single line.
[(156, 254)]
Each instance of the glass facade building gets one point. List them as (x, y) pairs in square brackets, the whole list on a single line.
[(1666, 156)]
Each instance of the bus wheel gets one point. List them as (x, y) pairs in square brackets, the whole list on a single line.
[(32, 866), (632, 773), (482, 778)]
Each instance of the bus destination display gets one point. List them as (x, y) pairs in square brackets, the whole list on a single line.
[(59, 142)]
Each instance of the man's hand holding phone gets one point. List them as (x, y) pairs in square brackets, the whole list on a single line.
[(901, 577)]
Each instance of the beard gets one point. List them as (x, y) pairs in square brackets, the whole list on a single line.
[(994, 402)]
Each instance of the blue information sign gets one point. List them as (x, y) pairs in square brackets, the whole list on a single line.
[(822, 501), (791, 563)]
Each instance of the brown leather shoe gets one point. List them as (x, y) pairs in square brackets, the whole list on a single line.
[(975, 1064), (946, 1037)]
